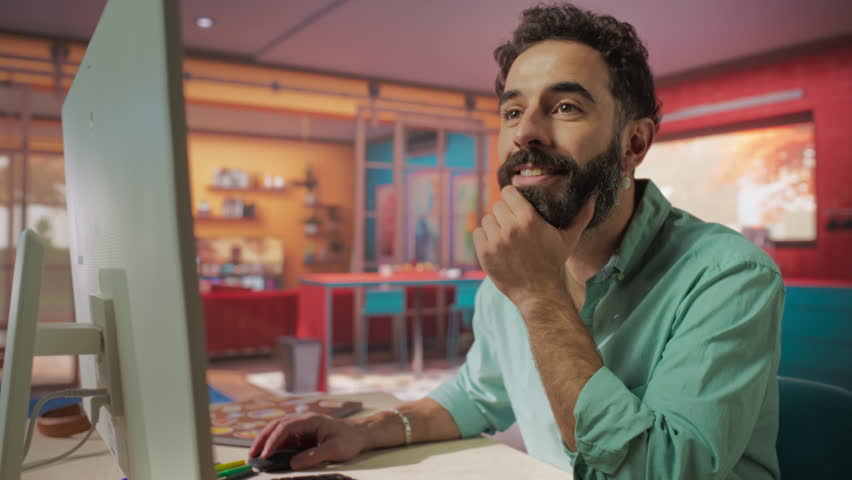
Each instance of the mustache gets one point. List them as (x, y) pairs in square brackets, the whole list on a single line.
[(557, 163), (540, 159)]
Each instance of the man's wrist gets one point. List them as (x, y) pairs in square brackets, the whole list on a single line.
[(406, 425), (362, 427), (536, 308), (380, 430)]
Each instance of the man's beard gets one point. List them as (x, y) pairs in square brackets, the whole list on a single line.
[(559, 200)]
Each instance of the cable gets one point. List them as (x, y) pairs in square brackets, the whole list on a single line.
[(101, 398), (70, 393)]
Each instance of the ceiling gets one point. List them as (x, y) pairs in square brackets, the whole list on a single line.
[(449, 43), (443, 43), (47, 105)]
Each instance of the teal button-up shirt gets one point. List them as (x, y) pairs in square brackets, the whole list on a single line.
[(686, 316)]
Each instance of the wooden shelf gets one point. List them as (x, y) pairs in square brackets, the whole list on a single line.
[(225, 219), (234, 275), (325, 263), (214, 188)]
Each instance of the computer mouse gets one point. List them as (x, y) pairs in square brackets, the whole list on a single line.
[(277, 462)]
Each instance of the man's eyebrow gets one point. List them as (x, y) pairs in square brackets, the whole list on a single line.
[(508, 95), (571, 87), (561, 87)]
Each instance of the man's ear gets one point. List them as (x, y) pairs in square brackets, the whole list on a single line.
[(637, 137)]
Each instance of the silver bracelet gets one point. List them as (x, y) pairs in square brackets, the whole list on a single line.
[(405, 423)]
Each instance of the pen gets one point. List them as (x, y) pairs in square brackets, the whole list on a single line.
[(227, 466), (243, 474), (226, 474)]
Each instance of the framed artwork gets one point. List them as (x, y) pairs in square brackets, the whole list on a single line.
[(385, 222), (422, 222), (758, 181), (463, 217)]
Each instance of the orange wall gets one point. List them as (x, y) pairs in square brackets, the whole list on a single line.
[(278, 215)]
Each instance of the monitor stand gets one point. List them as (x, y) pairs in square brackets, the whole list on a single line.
[(25, 339)]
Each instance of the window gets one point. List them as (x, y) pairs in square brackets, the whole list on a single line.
[(758, 181)]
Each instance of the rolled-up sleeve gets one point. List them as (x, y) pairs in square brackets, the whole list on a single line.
[(705, 395), (476, 397)]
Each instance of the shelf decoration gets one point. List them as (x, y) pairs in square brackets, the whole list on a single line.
[(323, 220), (251, 262)]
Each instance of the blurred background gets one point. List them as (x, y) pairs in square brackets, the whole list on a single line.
[(347, 136)]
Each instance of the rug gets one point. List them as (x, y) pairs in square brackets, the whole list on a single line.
[(403, 384)]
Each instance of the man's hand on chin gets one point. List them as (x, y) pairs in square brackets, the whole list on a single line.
[(523, 254)]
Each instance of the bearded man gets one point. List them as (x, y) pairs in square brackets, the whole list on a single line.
[(627, 338)]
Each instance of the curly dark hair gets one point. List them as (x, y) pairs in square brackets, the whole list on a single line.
[(631, 82)]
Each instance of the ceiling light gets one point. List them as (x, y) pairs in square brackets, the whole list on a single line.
[(204, 22)]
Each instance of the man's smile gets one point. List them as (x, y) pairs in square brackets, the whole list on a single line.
[(528, 174)]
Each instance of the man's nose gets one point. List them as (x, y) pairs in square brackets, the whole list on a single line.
[(532, 131)]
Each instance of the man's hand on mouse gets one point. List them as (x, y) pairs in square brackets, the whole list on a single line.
[(523, 254), (326, 439)]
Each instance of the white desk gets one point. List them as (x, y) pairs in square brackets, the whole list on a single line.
[(461, 459)]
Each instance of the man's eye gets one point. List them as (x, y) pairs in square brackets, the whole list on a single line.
[(567, 108), (511, 114)]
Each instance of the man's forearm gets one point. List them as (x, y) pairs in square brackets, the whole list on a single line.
[(566, 357), (430, 422)]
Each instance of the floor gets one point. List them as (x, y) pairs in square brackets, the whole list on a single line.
[(244, 377)]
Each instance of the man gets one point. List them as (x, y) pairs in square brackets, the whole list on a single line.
[(627, 338)]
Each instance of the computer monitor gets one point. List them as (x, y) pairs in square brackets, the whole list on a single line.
[(132, 239)]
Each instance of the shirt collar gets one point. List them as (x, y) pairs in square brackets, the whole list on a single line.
[(651, 212)]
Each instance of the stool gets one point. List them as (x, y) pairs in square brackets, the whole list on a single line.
[(383, 301), (460, 311)]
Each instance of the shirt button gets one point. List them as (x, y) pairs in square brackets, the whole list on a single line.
[(620, 276)]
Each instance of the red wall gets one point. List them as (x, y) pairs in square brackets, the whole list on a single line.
[(825, 77)]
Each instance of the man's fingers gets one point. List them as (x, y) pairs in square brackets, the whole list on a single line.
[(584, 216), (581, 222), (519, 205), (480, 240), (504, 215), (274, 439), (260, 440), (285, 430), (491, 227)]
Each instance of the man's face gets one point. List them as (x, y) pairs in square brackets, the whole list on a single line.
[(558, 133)]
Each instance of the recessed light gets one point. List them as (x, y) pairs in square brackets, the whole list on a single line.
[(204, 22)]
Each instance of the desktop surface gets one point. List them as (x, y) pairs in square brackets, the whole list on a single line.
[(459, 459)]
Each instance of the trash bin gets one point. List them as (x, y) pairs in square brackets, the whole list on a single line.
[(300, 362)]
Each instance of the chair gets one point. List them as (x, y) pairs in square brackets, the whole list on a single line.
[(815, 424), (816, 334), (460, 311), (383, 301)]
